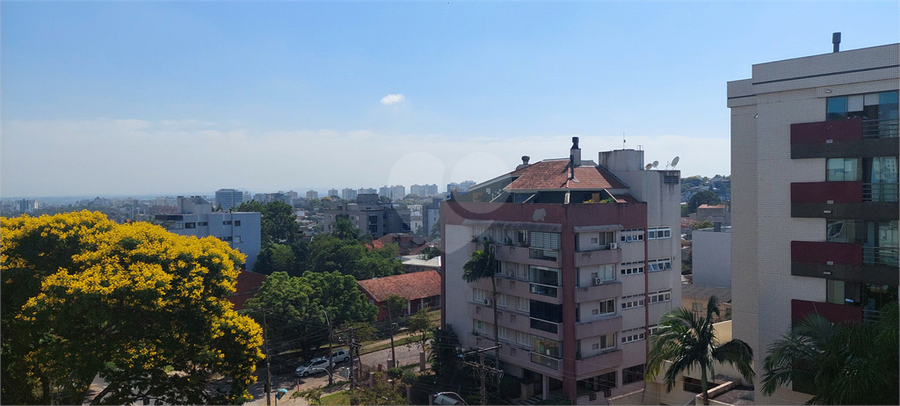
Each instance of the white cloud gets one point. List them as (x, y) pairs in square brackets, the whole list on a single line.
[(392, 99)]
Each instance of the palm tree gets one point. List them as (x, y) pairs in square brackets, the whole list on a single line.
[(847, 363), (688, 341), (484, 264)]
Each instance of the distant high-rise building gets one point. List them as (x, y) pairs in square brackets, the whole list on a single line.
[(334, 194), (366, 191), (417, 190), (398, 192), (26, 205), (452, 187), (465, 185), (312, 194), (384, 191), (348, 194), (228, 198), (814, 151)]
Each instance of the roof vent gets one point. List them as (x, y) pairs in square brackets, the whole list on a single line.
[(836, 41), (525, 159)]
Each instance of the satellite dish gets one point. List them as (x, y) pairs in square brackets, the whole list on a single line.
[(675, 161), (648, 166), (655, 164)]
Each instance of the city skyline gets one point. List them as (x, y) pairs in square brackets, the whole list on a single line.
[(134, 98)]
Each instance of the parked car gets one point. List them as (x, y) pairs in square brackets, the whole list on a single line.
[(314, 366), (340, 356)]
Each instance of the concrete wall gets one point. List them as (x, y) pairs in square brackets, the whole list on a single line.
[(711, 258)]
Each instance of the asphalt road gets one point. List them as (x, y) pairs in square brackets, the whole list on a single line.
[(291, 382)]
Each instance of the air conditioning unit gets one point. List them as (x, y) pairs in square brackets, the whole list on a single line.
[(487, 302), (598, 281), (613, 246), (509, 273), (507, 240)]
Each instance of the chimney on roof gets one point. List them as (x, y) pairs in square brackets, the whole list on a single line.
[(836, 40), (525, 159), (575, 152)]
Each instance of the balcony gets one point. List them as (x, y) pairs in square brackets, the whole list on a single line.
[(549, 362), (609, 324), (605, 290), (844, 200), (844, 261), (598, 257), (834, 313), (843, 138), (593, 364)]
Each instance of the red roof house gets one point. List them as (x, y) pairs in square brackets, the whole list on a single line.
[(420, 289)]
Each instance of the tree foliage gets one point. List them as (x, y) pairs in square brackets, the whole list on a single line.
[(278, 222), (382, 392), (702, 197), (328, 253), (420, 327), (83, 296), (843, 364), (690, 341), (277, 258), (444, 355), (484, 264), (294, 308)]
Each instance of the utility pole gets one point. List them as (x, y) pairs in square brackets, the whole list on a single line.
[(268, 369), (331, 353), (482, 370)]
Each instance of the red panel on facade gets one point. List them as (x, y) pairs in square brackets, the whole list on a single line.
[(819, 132), (822, 192), (834, 313), (822, 252)]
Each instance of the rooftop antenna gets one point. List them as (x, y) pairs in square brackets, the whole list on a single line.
[(673, 163), (655, 164), (623, 140)]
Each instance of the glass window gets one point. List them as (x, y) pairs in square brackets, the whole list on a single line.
[(842, 169), (836, 108)]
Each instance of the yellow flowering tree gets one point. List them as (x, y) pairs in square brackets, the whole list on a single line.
[(143, 308)]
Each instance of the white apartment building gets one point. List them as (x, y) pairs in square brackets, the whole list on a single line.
[(814, 147)]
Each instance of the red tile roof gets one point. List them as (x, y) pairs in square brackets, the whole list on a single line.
[(248, 283), (411, 286), (554, 174)]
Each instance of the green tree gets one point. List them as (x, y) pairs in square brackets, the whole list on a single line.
[(841, 364), (344, 229), (690, 341), (430, 252), (484, 264), (295, 305), (83, 297), (444, 356), (394, 305), (328, 253), (702, 224), (278, 222), (381, 393), (420, 327), (277, 258), (702, 197)]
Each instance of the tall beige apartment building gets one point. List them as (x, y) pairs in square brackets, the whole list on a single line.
[(814, 150)]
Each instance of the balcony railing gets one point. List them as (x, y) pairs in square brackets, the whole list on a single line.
[(880, 255), (883, 128), (544, 290), (547, 326), (880, 192), (544, 360)]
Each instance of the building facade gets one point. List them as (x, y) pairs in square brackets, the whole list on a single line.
[(241, 230), (814, 200), (228, 198), (588, 264)]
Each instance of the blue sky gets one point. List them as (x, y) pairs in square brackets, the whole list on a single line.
[(173, 98)]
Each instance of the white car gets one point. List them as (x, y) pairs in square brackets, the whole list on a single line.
[(314, 366), (340, 356)]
